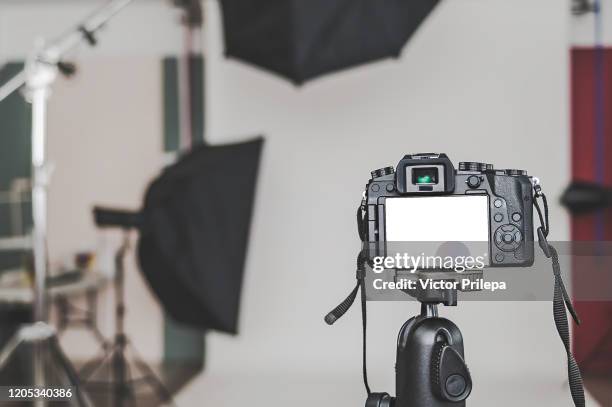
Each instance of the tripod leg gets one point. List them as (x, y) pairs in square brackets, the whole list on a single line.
[(163, 393), (120, 376), (82, 397), (91, 367), (9, 349), (131, 388)]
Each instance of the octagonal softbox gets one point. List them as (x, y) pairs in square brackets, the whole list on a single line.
[(303, 39)]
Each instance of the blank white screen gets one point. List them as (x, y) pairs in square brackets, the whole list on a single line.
[(462, 218)]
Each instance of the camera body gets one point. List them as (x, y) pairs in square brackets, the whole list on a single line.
[(497, 204)]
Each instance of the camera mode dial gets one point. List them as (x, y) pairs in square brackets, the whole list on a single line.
[(382, 171), (474, 166)]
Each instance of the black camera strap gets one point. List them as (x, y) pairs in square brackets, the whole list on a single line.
[(344, 306), (561, 300)]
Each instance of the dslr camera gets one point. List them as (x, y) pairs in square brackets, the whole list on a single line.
[(425, 199)]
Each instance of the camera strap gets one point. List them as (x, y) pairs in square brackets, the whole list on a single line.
[(344, 306), (561, 300)]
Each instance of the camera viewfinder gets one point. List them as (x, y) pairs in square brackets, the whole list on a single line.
[(425, 176)]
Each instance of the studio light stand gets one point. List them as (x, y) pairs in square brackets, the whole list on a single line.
[(120, 357), (41, 71)]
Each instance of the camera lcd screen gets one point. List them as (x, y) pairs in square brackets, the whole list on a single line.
[(460, 218)]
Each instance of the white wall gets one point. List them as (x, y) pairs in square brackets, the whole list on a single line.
[(147, 27), (482, 81)]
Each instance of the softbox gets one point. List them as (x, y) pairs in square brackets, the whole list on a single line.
[(303, 39), (194, 232)]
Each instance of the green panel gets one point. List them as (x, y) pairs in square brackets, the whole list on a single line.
[(196, 72), (182, 344), (172, 103), (15, 152), (172, 126), (15, 116)]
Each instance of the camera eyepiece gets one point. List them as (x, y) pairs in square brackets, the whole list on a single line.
[(425, 173)]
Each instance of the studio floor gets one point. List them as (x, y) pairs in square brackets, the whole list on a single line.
[(326, 389)]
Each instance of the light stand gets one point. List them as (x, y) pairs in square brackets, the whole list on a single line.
[(41, 71), (120, 357)]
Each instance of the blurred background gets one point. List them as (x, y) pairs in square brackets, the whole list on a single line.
[(493, 81)]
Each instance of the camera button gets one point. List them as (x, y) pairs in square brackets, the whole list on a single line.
[(499, 257), (498, 217), (508, 238), (473, 181), (375, 188), (390, 187), (516, 217), (498, 203)]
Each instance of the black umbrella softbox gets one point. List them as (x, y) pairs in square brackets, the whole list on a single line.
[(194, 232), (303, 39)]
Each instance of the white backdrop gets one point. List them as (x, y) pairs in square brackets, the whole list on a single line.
[(481, 81)]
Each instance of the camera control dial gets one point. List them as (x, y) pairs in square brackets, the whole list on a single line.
[(382, 171), (508, 238), (515, 172), (474, 166)]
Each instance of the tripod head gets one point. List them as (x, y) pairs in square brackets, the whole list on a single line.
[(437, 286), (430, 369)]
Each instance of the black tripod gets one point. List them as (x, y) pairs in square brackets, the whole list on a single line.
[(123, 384), (430, 369)]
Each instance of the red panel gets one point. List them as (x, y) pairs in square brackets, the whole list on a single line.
[(593, 339)]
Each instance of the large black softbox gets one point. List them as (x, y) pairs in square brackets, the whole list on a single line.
[(194, 231), (303, 39)]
